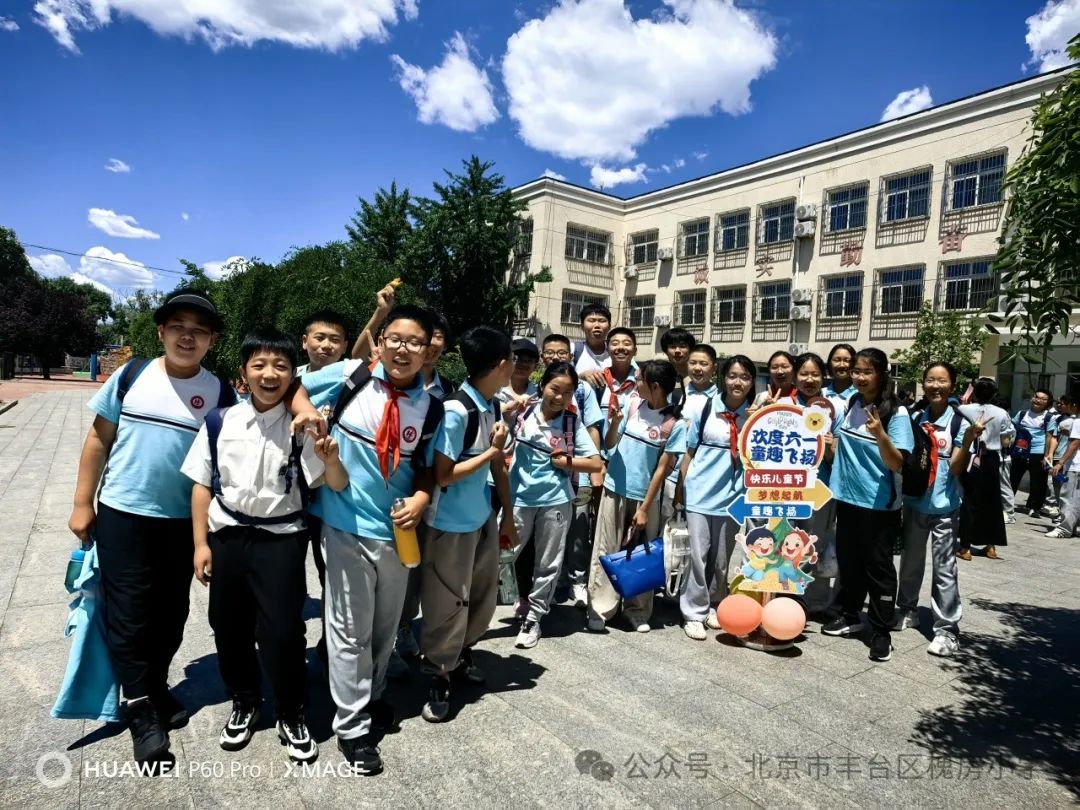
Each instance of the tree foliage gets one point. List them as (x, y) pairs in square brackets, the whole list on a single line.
[(941, 336)]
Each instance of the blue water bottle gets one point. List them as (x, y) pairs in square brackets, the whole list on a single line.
[(1061, 478), (74, 568)]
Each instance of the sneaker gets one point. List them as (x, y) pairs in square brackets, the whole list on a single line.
[(468, 668), (362, 754), (695, 630), (438, 703), (637, 621), (529, 635), (405, 644), (906, 619), (880, 647), (1049, 512), (397, 669), (581, 596), (596, 624), (384, 717), (1009, 519), (964, 554), (241, 725), (149, 739), (521, 607), (171, 711), (843, 626), (711, 622), (296, 738), (944, 645), (1058, 534)]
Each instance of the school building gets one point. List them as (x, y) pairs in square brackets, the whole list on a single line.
[(838, 241)]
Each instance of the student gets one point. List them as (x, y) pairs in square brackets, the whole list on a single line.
[(935, 516), (146, 417), (550, 446), (676, 344), (515, 396), (644, 435), (982, 522), (251, 477), (1059, 439), (1030, 453), (1065, 524), (556, 348), (701, 374), (712, 479), (781, 381), (872, 439), (840, 390), (324, 341), (386, 445), (1070, 493), (459, 575), (591, 355)]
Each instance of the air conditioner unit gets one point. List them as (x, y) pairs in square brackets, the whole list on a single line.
[(804, 230), (802, 296), (798, 348), (630, 272), (800, 313), (805, 211), (661, 320), (665, 254)]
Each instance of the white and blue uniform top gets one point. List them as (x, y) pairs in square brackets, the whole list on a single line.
[(1064, 428), (463, 506), (714, 478), (363, 507), (839, 399), (943, 498), (859, 476), (534, 482), (633, 461), (996, 421), (507, 394), (694, 400), (156, 425), (590, 416), (1038, 425), (438, 387)]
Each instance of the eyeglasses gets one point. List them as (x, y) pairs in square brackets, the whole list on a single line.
[(412, 345), (561, 353)]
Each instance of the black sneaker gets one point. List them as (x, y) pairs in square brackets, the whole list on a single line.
[(172, 712), (880, 647), (149, 739), (468, 668), (294, 735), (844, 626), (362, 754), (383, 716), (438, 704), (237, 732)]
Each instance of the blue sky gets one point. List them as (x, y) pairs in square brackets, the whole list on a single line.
[(256, 131)]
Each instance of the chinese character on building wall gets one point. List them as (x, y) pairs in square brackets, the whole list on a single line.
[(850, 254), (953, 239)]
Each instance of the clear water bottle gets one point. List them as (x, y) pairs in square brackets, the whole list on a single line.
[(74, 568)]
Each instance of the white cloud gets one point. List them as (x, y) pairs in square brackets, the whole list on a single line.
[(554, 175), (117, 166), (456, 93), (1048, 32), (8, 24), (329, 24), (184, 215), (907, 102), (701, 155), (123, 226), (606, 178), (50, 265), (679, 163), (79, 278), (100, 266), (590, 82), (218, 270)]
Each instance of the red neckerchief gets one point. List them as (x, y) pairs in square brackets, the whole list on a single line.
[(931, 430), (388, 437), (616, 389), (733, 431)]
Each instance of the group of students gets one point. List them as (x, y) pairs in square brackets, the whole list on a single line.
[(179, 477)]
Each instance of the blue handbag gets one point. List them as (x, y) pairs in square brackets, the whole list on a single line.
[(636, 570)]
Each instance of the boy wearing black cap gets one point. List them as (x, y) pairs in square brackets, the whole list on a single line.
[(521, 389), (147, 416)]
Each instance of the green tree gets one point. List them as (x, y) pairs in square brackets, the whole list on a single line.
[(1039, 260), (941, 336), (132, 323), (99, 302), (381, 228)]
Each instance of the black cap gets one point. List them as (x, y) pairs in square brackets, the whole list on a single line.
[(525, 346), (189, 299)]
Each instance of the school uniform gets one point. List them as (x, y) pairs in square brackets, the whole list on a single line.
[(821, 593), (868, 499), (713, 481), (144, 538), (1064, 428), (982, 521), (438, 387), (934, 515), (585, 360), (839, 399), (1039, 425), (579, 538), (258, 586), (365, 580), (694, 400), (1070, 491)]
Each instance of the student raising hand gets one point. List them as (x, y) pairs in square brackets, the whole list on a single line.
[(873, 422)]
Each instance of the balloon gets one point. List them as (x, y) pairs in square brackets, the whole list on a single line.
[(738, 614), (783, 619)]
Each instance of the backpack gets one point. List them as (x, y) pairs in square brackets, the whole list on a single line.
[(472, 417), (580, 394), (579, 349), (137, 365), (570, 417), (920, 465), (1021, 444)]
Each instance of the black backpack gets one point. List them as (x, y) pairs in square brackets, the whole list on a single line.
[(919, 471)]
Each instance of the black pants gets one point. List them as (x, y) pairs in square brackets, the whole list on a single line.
[(146, 571), (523, 570), (257, 594), (314, 533), (1037, 483), (864, 550), (982, 523)]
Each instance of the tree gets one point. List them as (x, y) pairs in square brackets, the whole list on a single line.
[(381, 229), (1039, 260), (99, 302), (945, 336)]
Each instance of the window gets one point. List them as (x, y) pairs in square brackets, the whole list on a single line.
[(843, 296), (968, 285), (525, 237), (907, 196), (729, 305), (586, 244), (695, 238), (691, 308), (777, 223), (774, 301), (643, 248), (733, 230), (847, 207), (573, 301), (640, 310), (901, 291), (976, 181)]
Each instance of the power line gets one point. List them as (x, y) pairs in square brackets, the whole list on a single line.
[(103, 259)]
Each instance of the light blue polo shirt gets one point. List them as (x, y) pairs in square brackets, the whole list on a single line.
[(714, 478), (841, 400), (692, 405), (534, 482), (943, 498), (363, 507), (1038, 425), (590, 417), (859, 475), (633, 461), (1064, 427)]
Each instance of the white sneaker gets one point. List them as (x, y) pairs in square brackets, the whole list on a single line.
[(711, 622), (529, 635), (637, 621), (1057, 534), (1049, 512), (695, 630), (581, 596), (906, 619), (1009, 519), (944, 645)]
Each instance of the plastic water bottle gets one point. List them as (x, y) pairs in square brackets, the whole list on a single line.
[(74, 568), (408, 549), (1061, 478)]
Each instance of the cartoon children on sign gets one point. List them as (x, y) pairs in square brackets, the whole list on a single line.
[(776, 558)]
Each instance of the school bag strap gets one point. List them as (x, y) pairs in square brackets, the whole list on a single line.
[(226, 394), (131, 371), (432, 419), (354, 384), (579, 349), (706, 411)]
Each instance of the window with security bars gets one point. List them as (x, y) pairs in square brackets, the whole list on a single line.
[(643, 247), (573, 301), (847, 207), (640, 310), (587, 245), (525, 237), (777, 223), (694, 238), (843, 296), (976, 181), (774, 301), (690, 310), (729, 305), (968, 285), (900, 291), (906, 196), (733, 230)]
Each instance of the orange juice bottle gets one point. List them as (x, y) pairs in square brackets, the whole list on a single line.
[(408, 549)]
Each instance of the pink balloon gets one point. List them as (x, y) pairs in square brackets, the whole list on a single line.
[(783, 619), (738, 614)]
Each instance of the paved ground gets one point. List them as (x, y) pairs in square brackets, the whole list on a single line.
[(653, 720)]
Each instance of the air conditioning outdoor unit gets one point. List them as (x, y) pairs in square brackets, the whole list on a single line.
[(805, 211), (665, 254), (798, 348), (800, 313), (630, 272), (804, 230), (802, 296), (661, 320)]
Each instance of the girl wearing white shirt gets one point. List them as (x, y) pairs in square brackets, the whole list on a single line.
[(982, 522)]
